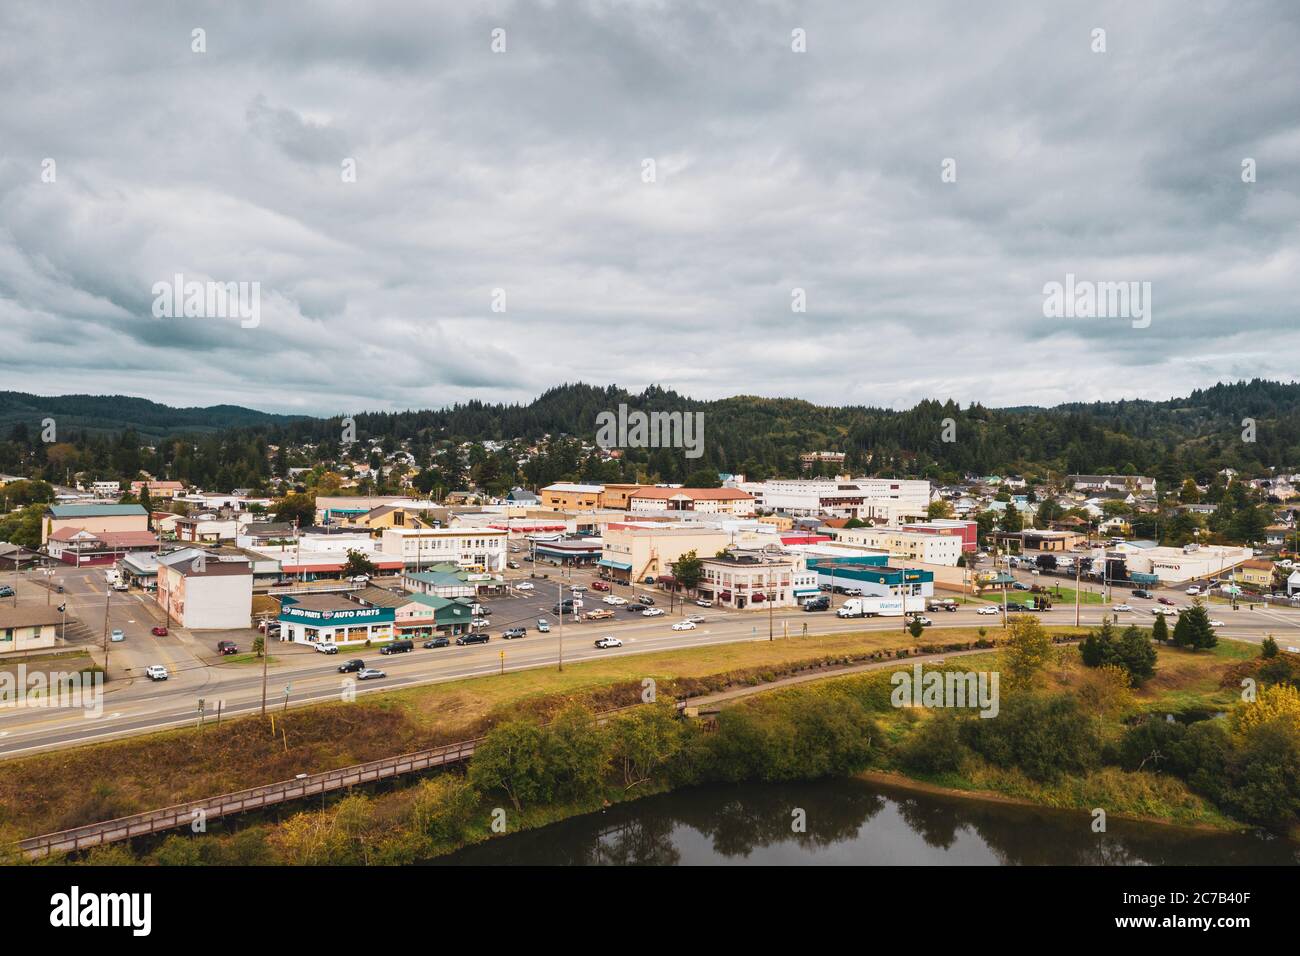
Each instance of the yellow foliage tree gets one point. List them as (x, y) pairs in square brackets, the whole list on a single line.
[(1027, 652), (1279, 701)]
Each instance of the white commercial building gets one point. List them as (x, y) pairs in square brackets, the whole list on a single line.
[(1172, 565), (942, 549), (890, 499), (200, 590), (483, 549)]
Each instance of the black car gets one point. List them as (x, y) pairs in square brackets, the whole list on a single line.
[(349, 667), (818, 604), (510, 633), (398, 647), (564, 608), (437, 642), (477, 637)]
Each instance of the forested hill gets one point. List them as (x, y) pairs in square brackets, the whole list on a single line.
[(1171, 439), (111, 414)]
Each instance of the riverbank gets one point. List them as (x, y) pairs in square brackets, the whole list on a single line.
[(112, 779), (529, 774)]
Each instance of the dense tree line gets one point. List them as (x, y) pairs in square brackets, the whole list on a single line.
[(1248, 426)]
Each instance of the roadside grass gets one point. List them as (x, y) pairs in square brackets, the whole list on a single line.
[(74, 658), (120, 777), (248, 658)]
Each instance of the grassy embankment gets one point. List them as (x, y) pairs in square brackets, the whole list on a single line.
[(107, 780), (809, 730)]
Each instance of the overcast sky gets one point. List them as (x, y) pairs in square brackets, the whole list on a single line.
[(524, 171)]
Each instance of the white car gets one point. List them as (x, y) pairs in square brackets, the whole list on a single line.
[(704, 603), (988, 609), (604, 642), (523, 586), (117, 637), (1121, 607), (480, 622), (156, 672), (615, 600), (652, 612), (1163, 610), (1217, 624), (360, 579), (684, 626), (327, 648), (1193, 590)]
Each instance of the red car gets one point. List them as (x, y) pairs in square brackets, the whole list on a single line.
[(599, 586), (159, 631)]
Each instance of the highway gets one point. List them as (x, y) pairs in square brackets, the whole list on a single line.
[(131, 704)]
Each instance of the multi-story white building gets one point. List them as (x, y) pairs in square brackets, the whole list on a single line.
[(757, 580), (901, 544), (729, 501), (479, 548), (891, 499), (1138, 483)]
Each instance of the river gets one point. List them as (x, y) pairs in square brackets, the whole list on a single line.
[(856, 822)]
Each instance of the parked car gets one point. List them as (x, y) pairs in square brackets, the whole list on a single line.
[(645, 599), (987, 609), (1020, 586), (348, 667), (227, 647), (615, 600), (117, 637), (156, 672), (6, 591), (577, 589), (473, 637), (327, 647), (684, 626), (1193, 590), (512, 565), (543, 625), (523, 586), (437, 642), (1121, 607), (703, 603), (370, 673), (158, 631), (359, 579), (599, 614), (514, 633), (652, 612), (398, 647), (479, 622), (604, 642), (599, 586)]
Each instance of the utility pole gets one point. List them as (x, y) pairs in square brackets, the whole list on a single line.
[(560, 590), (266, 654), (1077, 595), (769, 602), (107, 598)]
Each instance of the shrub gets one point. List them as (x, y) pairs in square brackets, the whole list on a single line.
[(935, 747), (1044, 736)]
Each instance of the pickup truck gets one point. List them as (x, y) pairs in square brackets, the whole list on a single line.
[(600, 614)]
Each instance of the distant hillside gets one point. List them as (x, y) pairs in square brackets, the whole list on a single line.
[(110, 414)]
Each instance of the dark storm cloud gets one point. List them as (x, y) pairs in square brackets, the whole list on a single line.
[(522, 170)]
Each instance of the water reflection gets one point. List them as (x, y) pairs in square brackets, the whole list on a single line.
[(858, 823)]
